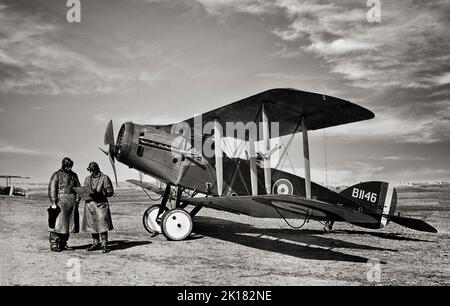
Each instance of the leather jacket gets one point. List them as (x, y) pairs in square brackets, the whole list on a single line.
[(101, 187), (62, 182)]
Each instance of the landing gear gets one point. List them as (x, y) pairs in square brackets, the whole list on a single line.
[(328, 226), (176, 224), (150, 219), (152, 216)]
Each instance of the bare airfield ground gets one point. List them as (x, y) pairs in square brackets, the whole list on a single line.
[(228, 249)]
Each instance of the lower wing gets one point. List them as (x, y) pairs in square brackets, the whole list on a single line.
[(269, 206)]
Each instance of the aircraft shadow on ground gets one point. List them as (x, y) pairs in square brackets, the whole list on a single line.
[(391, 236), (304, 244), (115, 245)]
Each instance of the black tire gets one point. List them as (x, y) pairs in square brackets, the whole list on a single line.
[(145, 219)]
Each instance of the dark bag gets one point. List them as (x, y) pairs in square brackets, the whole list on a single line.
[(52, 215)]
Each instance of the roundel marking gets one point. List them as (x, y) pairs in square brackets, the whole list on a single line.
[(283, 186)]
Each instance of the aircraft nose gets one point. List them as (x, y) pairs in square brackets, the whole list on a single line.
[(124, 140)]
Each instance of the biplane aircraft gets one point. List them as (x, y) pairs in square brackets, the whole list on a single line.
[(10, 189), (175, 155)]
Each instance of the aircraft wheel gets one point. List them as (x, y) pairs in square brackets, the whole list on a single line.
[(176, 224), (149, 219)]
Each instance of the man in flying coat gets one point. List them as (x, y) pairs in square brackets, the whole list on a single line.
[(63, 196), (97, 215)]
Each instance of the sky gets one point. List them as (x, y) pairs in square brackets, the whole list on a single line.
[(152, 62)]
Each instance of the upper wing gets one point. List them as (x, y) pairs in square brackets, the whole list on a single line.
[(266, 206), (147, 185), (287, 106)]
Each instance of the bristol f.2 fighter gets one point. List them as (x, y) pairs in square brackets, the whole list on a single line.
[(190, 160)]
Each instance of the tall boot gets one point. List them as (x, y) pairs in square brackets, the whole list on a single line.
[(54, 242), (105, 242), (96, 245), (63, 238)]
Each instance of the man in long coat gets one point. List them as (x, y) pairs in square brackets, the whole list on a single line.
[(97, 215), (62, 195)]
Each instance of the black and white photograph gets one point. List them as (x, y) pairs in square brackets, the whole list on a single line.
[(224, 148)]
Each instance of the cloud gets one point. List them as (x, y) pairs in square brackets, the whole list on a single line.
[(2, 110), (340, 46), (17, 150), (100, 119), (103, 118), (279, 76), (225, 7), (35, 60), (400, 65), (8, 148), (404, 157), (386, 126), (441, 79), (344, 173), (407, 48)]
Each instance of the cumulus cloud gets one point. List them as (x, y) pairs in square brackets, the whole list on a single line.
[(402, 63), (407, 48)]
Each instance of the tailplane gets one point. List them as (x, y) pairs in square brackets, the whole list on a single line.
[(416, 224)]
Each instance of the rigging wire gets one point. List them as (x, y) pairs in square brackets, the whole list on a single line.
[(287, 222), (285, 157), (160, 197)]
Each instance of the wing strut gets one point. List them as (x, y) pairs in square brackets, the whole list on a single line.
[(253, 168), (218, 155), (265, 149), (306, 159)]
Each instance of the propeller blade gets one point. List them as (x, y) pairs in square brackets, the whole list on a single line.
[(109, 140), (109, 134), (106, 153), (140, 176), (113, 165)]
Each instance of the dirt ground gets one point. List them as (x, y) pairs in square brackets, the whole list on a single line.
[(228, 249)]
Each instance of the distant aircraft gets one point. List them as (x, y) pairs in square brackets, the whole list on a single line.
[(10, 189), (174, 154)]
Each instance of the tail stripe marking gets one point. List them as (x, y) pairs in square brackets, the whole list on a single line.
[(387, 204)]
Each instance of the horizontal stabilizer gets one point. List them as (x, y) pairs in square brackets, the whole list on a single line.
[(412, 223), (147, 185)]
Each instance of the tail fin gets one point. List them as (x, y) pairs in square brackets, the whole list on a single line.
[(374, 197), (379, 199)]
